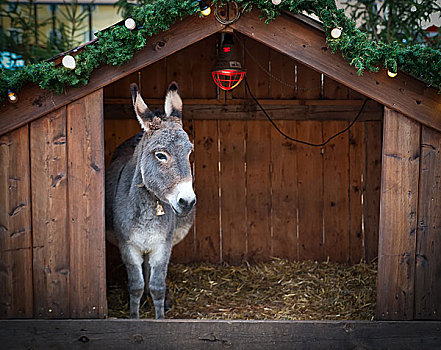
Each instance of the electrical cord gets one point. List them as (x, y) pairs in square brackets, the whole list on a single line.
[(301, 141), (256, 62)]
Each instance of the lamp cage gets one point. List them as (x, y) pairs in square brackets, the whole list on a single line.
[(227, 72)]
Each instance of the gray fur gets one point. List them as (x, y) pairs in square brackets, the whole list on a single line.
[(139, 179)]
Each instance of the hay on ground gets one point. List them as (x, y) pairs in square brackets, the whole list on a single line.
[(278, 290)]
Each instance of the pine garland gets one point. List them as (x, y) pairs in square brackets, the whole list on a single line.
[(118, 44)]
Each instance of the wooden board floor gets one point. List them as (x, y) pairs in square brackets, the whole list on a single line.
[(195, 334)]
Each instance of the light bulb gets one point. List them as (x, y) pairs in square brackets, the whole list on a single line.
[(69, 62), (205, 9), (206, 12), (12, 96), (336, 33), (392, 74), (130, 23), (276, 2)]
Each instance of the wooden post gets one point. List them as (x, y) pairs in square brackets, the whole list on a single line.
[(49, 215), (428, 257), (398, 217), (87, 279)]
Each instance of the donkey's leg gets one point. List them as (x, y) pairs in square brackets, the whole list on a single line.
[(168, 303), (146, 270), (158, 260), (132, 258)]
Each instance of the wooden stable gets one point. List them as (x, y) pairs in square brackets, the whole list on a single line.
[(265, 196), (372, 191)]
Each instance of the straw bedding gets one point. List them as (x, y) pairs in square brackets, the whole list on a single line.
[(278, 290)]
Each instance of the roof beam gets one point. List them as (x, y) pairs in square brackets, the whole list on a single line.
[(242, 109), (35, 102), (307, 45)]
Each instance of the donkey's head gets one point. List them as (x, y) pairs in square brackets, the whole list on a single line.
[(164, 151)]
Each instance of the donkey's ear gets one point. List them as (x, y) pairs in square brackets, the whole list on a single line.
[(173, 102), (142, 112)]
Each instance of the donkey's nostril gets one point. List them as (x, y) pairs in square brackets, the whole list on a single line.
[(185, 204)]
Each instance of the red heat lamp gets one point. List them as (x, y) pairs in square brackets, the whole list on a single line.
[(227, 71)]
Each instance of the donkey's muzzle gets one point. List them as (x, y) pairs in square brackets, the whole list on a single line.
[(183, 198), (185, 205)]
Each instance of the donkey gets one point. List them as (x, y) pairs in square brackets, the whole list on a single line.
[(150, 198)]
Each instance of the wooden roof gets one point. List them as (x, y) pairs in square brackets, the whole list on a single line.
[(302, 40)]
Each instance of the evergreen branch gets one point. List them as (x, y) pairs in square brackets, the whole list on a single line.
[(118, 44)]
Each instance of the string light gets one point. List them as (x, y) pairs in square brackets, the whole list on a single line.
[(330, 19), (276, 2), (205, 9), (130, 23), (12, 96), (69, 62), (336, 32), (392, 74)]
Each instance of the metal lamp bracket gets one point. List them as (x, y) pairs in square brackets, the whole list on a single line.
[(227, 14)]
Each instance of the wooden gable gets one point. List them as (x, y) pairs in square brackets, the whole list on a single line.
[(287, 34)]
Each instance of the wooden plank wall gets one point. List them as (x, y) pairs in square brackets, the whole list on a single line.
[(398, 216), (259, 194), (49, 199), (86, 226), (52, 257), (409, 263), (428, 243), (16, 294)]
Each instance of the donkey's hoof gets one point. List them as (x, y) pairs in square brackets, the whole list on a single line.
[(168, 304)]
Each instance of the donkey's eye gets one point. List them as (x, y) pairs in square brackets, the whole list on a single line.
[(161, 156)]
